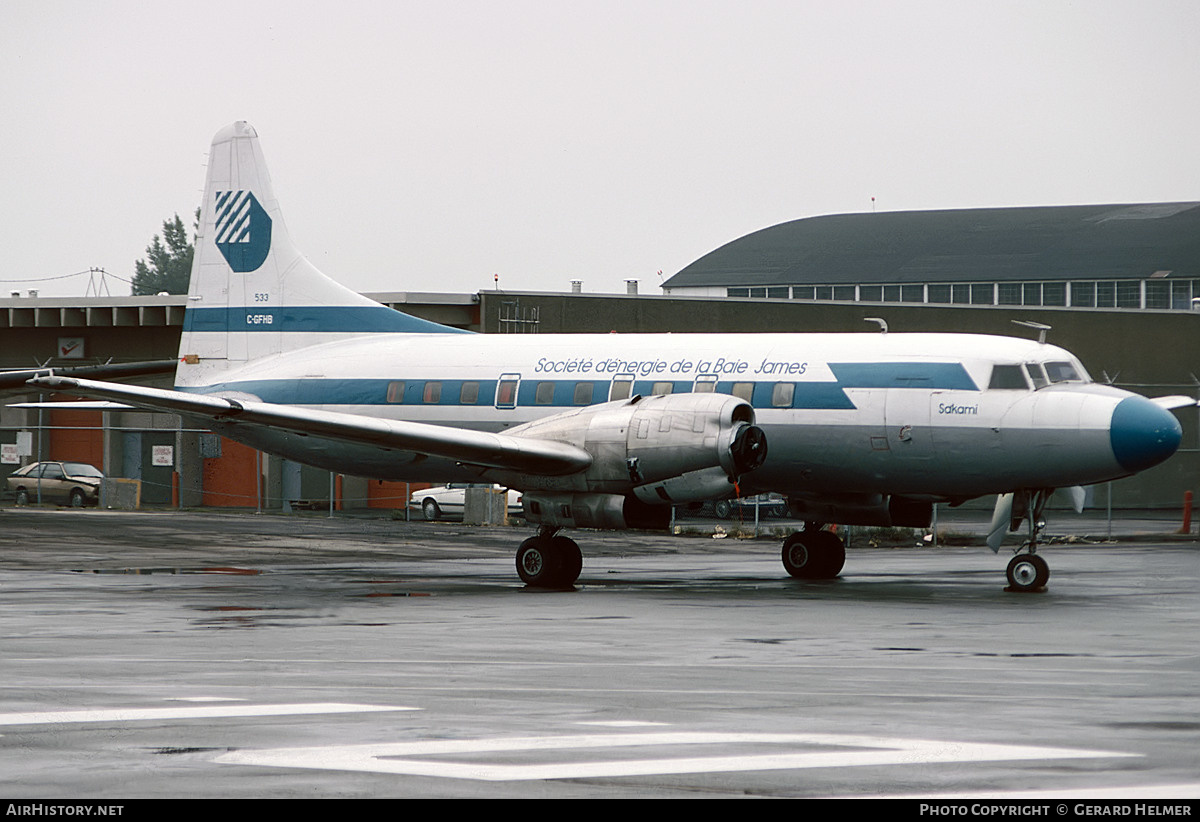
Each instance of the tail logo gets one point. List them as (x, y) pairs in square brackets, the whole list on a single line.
[(243, 230)]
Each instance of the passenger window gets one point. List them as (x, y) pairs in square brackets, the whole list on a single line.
[(743, 391), (1037, 375), (705, 385), (782, 394), (621, 388), (433, 392), (506, 392), (544, 394), (469, 393), (583, 393), (1008, 377), (662, 388), (395, 392)]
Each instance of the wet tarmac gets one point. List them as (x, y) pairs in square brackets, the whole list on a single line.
[(238, 655)]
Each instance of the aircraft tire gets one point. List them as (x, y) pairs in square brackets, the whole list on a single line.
[(549, 563), (813, 555), (1027, 572)]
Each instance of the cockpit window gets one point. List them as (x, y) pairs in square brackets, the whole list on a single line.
[(1008, 377), (1037, 374), (1061, 372)]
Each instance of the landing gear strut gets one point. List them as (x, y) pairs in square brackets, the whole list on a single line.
[(548, 560), (1027, 572), (813, 553)]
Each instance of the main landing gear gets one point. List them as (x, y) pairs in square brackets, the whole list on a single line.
[(548, 560), (814, 553)]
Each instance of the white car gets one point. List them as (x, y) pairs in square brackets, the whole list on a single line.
[(443, 500)]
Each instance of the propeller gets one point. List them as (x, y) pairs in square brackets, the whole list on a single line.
[(1001, 521)]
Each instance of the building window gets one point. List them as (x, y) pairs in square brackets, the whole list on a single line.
[(1054, 293), (983, 294), (870, 293), (778, 292), (802, 292), (844, 292), (892, 294), (1083, 294), (1031, 294), (1158, 294), (939, 293), (1129, 294), (1106, 294), (737, 292), (1008, 293), (911, 293), (824, 292), (960, 294)]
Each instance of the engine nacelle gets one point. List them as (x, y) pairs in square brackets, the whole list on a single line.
[(605, 511), (658, 449)]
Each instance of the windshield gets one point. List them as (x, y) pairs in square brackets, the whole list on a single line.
[(81, 469)]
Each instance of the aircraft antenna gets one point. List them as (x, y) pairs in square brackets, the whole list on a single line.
[(1041, 328)]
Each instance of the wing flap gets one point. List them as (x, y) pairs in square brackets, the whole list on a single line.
[(524, 454)]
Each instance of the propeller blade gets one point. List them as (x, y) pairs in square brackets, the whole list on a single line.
[(1001, 521), (1077, 495)]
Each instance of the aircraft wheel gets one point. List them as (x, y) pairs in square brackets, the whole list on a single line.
[(814, 555), (549, 563), (1027, 572), (431, 511)]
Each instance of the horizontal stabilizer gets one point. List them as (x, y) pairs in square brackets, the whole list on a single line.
[(522, 454)]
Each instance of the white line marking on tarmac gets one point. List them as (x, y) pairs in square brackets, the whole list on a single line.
[(433, 757), (198, 712)]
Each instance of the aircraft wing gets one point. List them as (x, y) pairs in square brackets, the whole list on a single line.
[(1173, 402), (13, 380), (524, 454)]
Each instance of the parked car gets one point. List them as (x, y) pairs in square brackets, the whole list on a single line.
[(74, 483), (444, 500), (769, 505)]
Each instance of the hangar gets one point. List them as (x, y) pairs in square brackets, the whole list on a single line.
[(1127, 257), (1151, 347)]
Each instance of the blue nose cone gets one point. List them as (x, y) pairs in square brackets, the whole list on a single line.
[(1142, 434)]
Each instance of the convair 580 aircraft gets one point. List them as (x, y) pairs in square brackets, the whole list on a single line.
[(609, 431)]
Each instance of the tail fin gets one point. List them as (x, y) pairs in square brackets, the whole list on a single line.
[(252, 293)]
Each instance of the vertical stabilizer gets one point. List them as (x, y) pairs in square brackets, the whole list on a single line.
[(252, 293)]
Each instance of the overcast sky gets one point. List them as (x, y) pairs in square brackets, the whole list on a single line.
[(428, 146)]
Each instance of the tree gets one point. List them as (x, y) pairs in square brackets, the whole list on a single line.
[(170, 265)]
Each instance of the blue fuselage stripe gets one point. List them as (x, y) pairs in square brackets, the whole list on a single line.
[(341, 319), (563, 393)]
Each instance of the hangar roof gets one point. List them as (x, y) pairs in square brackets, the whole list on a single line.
[(991, 244)]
